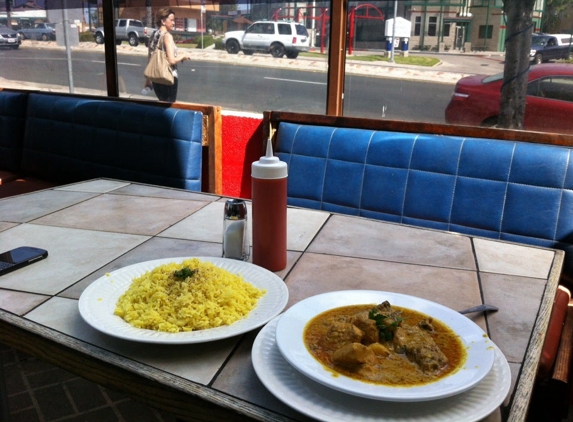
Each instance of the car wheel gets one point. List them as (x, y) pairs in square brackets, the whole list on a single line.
[(99, 38), (292, 54), (118, 42), (538, 59), (277, 50), (232, 47), (248, 52), (133, 40), (22, 36), (44, 37), (490, 122)]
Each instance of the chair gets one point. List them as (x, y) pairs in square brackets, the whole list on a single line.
[(551, 395)]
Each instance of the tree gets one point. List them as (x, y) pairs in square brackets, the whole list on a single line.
[(517, 45), (555, 12)]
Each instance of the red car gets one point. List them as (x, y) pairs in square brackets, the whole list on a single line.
[(549, 104)]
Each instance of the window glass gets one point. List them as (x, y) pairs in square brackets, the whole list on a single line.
[(285, 29), (418, 25), (447, 27), (556, 88), (411, 77), (485, 31), (432, 26)]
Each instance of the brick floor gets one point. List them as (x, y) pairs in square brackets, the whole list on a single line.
[(40, 392)]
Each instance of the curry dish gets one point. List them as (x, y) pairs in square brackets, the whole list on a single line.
[(384, 344)]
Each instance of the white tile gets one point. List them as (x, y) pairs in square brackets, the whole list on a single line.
[(97, 186), (6, 226), (18, 302), (303, 225), (363, 238), (72, 255), (195, 362), (24, 208), (207, 225), (513, 259)]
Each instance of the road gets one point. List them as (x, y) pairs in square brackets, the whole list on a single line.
[(249, 84)]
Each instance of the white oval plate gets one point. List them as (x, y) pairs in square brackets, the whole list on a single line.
[(98, 301), (328, 405), (290, 342)]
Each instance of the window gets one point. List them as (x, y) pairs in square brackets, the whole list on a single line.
[(555, 88), (418, 26), (285, 29), (432, 26), (485, 31), (447, 27), (251, 81)]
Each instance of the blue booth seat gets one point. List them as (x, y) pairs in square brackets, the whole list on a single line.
[(514, 191), (69, 139)]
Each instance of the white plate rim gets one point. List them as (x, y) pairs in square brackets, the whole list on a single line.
[(324, 404), (291, 345), (97, 303)]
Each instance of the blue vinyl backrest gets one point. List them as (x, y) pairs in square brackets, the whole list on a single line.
[(12, 119), (507, 190), (89, 138)]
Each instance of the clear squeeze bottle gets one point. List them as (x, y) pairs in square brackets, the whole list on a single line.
[(269, 202)]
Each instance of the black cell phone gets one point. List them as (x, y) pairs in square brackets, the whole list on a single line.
[(20, 257)]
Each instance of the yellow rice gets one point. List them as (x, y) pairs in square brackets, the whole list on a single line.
[(211, 297)]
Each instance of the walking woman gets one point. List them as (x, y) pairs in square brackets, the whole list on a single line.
[(162, 39)]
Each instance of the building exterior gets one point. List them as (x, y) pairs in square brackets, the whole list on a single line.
[(467, 25), (440, 25)]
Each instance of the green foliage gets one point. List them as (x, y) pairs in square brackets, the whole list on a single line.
[(415, 60), (556, 11), (86, 36), (219, 44), (208, 40)]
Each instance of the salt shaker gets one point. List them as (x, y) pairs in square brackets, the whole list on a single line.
[(235, 230)]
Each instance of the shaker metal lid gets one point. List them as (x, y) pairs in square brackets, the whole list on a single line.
[(236, 209)]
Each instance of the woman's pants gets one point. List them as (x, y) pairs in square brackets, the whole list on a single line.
[(166, 92)]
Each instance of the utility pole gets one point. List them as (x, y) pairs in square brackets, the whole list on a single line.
[(9, 13), (394, 31)]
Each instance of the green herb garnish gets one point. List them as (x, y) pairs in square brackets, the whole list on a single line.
[(386, 330), (184, 273)]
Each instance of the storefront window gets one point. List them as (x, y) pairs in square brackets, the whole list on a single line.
[(383, 77)]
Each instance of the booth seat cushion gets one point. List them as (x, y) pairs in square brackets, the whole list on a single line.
[(69, 139), (12, 119), (507, 190)]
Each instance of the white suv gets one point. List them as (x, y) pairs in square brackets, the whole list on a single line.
[(277, 38)]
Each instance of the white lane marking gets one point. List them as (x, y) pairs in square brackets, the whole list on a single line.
[(119, 63), (296, 80)]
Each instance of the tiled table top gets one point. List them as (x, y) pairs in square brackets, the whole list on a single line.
[(98, 226)]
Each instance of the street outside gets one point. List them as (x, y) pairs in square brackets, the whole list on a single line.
[(453, 65)]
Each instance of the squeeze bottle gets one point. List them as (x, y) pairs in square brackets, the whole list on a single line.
[(269, 208)]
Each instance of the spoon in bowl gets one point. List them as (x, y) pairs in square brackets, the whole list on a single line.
[(479, 308)]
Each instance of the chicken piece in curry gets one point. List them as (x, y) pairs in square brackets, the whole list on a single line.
[(384, 344)]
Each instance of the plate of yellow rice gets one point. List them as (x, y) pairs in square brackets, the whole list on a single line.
[(183, 300)]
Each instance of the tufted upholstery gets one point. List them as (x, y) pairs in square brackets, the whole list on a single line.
[(514, 191), (12, 117), (69, 139)]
